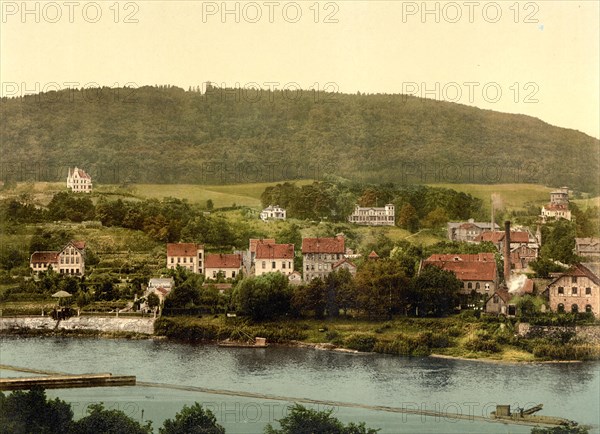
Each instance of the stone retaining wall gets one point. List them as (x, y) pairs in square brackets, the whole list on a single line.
[(589, 333), (101, 324)]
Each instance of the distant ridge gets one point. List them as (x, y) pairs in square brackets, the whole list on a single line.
[(163, 134)]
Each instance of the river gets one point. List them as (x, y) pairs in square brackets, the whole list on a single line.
[(569, 390)]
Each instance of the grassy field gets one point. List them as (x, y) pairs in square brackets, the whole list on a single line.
[(509, 196)]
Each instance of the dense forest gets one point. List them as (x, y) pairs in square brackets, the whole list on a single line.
[(164, 134)]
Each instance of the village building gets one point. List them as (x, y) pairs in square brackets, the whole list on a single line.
[(558, 207), (588, 248), (524, 247), (477, 272), (498, 302), (78, 181), (70, 260), (469, 230), (319, 255), (373, 256), (295, 278), (373, 216), (576, 290), (346, 264), (186, 255), (274, 258), (227, 266), (273, 213)]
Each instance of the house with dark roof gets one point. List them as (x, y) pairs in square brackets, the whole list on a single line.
[(274, 258), (186, 255), (469, 230), (346, 264), (524, 247), (477, 272), (588, 248), (498, 302), (228, 266), (69, 260), (576, 290), (319, 255)]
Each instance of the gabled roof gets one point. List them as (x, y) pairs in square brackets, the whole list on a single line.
[(274, 251), (502, 293), (44, 257), (343, 261), (183, 249), (81, 173), (323, 245), (373, 255), (222, 261), (589, 270), (256, 241), (481, 266), (80, 245), (556, 207)]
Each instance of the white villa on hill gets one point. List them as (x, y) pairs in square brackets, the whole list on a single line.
[(373, 216), (78, 181), (273, 213)]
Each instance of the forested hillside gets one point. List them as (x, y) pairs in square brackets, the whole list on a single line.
[(167, 135)]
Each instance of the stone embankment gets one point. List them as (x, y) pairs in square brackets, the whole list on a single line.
[(590, 333), (79, 323)]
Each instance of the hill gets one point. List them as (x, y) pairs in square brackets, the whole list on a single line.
[(166, 135)]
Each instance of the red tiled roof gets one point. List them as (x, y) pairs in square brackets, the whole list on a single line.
[(527, 287), (342, 261), (274, 251), (556, 207), (256, 241), (162, 290), (45, 257), (83, 174), (222, 261), (78, 244), (323, 245), (373, 255), (503, 294), (466, 267), (183, 249)]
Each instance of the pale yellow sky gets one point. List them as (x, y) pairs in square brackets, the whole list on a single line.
[(542, 57)]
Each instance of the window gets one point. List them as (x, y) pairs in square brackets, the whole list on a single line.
[(470, 285), (588, 308), (77, 260), (477, 285), (233, 274), (283, 265), (273, 265), (172, 260), (561, 290), (184, 260), (191, 260), (199, 255), (178, 260), (495, 299), (574, 290), (574, 308), (487, 286), (561, 308), (264, 265), (573, 279), (290, 265), (588, 291), (214, 274)]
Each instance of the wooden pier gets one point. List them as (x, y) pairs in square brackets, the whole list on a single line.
[(67, 381)]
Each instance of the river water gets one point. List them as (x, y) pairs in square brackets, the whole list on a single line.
[(449, 386)]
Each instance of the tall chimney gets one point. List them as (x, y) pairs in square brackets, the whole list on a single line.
[(506, 252)]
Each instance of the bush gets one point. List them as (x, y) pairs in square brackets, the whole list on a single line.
[(361, 342), (483, 342)]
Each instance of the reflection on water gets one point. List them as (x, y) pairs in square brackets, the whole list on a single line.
[(566, 390)]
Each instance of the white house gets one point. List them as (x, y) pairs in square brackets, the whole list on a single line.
[(558, 208), (78, 181), (274, 258), (373, 216), (273, 213), (70, 260)]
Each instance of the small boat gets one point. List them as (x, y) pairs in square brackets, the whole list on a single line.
[(258, 343)]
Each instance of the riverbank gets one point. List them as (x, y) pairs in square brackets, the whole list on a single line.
[(494, 340)]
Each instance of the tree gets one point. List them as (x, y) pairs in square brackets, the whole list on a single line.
[(310, 297), (209, 204), (436, 218), (559, 241), (264, 297), (100, 420), (192, 420), (435, 291), (302, 420), (381, 288), (31, 412), (152, 300), (408, 218)]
